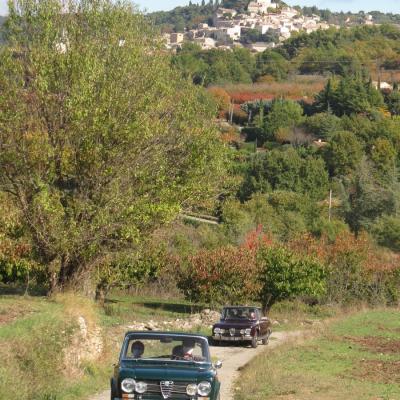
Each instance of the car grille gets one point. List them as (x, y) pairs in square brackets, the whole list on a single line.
[(232, 332), (166, 390)]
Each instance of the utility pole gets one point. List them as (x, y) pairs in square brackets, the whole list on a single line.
[(231, 113), (378, 69)]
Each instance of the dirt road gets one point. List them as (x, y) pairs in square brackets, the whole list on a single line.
[(233, 358)]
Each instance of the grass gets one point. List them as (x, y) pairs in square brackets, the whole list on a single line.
[(354, 358), (35, 334), (122, 308)]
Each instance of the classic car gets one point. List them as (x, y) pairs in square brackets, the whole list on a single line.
[(242, 324), (164, 365)]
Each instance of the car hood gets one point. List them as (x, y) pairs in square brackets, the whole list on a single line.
[(232, 323), (166, 371)]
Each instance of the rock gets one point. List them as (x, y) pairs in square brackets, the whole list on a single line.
[(82, 327)]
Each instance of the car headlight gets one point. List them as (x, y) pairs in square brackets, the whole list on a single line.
[(141, 387), (204, 388), (217, 331), (191, 389), (247, 332), (128, 385)]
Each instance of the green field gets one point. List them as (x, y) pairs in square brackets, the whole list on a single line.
[(356, 358)]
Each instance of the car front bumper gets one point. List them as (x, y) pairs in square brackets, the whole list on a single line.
[(149, 397), (222, 338)]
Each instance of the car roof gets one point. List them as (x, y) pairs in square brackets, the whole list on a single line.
[(258, 308), (161, 333)]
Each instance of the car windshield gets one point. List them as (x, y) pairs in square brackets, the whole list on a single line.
[(239, 313), (166, 348)]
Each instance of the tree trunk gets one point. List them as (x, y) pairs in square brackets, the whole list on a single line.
[(101, 293), (267, 303)]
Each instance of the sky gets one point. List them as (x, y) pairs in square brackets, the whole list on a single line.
[(334, 5)]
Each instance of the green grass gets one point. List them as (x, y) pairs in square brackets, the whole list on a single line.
[(121, 308), (356, 358), (34, 334)]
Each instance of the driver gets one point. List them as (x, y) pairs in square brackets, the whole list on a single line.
[(137, 349), (188, 348)]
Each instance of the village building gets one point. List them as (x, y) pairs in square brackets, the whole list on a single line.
[(229, 26)]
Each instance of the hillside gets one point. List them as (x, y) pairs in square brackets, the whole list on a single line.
[(188, 17)]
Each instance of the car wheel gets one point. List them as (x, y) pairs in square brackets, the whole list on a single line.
[(254, 341), (266, 339)]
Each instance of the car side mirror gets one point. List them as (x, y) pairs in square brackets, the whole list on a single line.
[(218, 364)]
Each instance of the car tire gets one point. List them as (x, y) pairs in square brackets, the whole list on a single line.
[(254, 341), (266, 339)]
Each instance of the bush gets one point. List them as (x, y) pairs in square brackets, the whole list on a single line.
[(225, 275), (285, 276)]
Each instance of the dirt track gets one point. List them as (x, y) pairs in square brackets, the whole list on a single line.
[(233, 358)]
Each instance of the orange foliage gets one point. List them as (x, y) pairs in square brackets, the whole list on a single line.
[(221, 97), (373, 259), (257, 238)]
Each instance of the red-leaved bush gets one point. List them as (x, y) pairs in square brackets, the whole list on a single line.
[(224, 275)]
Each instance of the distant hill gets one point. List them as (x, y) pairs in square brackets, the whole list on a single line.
[(188, 17), (342, 18)]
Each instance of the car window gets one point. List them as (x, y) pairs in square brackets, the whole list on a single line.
[(166, 348), (239, 313)]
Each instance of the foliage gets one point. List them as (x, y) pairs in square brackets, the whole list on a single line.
[(322, 125), (180, 18), (225, 275), (210, 67), (343, 153), (286, 170), (387, 232), (283, 114), (393, 102), (98, 147), (368, 199), (284, 276), (351, 95), (221, 97)]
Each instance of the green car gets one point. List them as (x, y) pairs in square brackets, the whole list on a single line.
[(164, 365)]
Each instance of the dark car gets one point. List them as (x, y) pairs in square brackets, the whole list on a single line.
[(164, 365), (242, 324)]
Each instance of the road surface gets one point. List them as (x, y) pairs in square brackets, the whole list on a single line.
[(233, 358)]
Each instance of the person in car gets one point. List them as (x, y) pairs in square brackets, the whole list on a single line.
[(137, 349)]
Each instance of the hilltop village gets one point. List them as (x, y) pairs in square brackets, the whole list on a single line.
[(264, 25)]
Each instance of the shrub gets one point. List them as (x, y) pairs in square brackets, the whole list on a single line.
[(224, 275), (221, 97), (284, 276)]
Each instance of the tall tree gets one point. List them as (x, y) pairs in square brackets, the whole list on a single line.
[(100, 141)]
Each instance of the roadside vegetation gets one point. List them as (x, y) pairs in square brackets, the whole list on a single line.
[(353, 358)]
